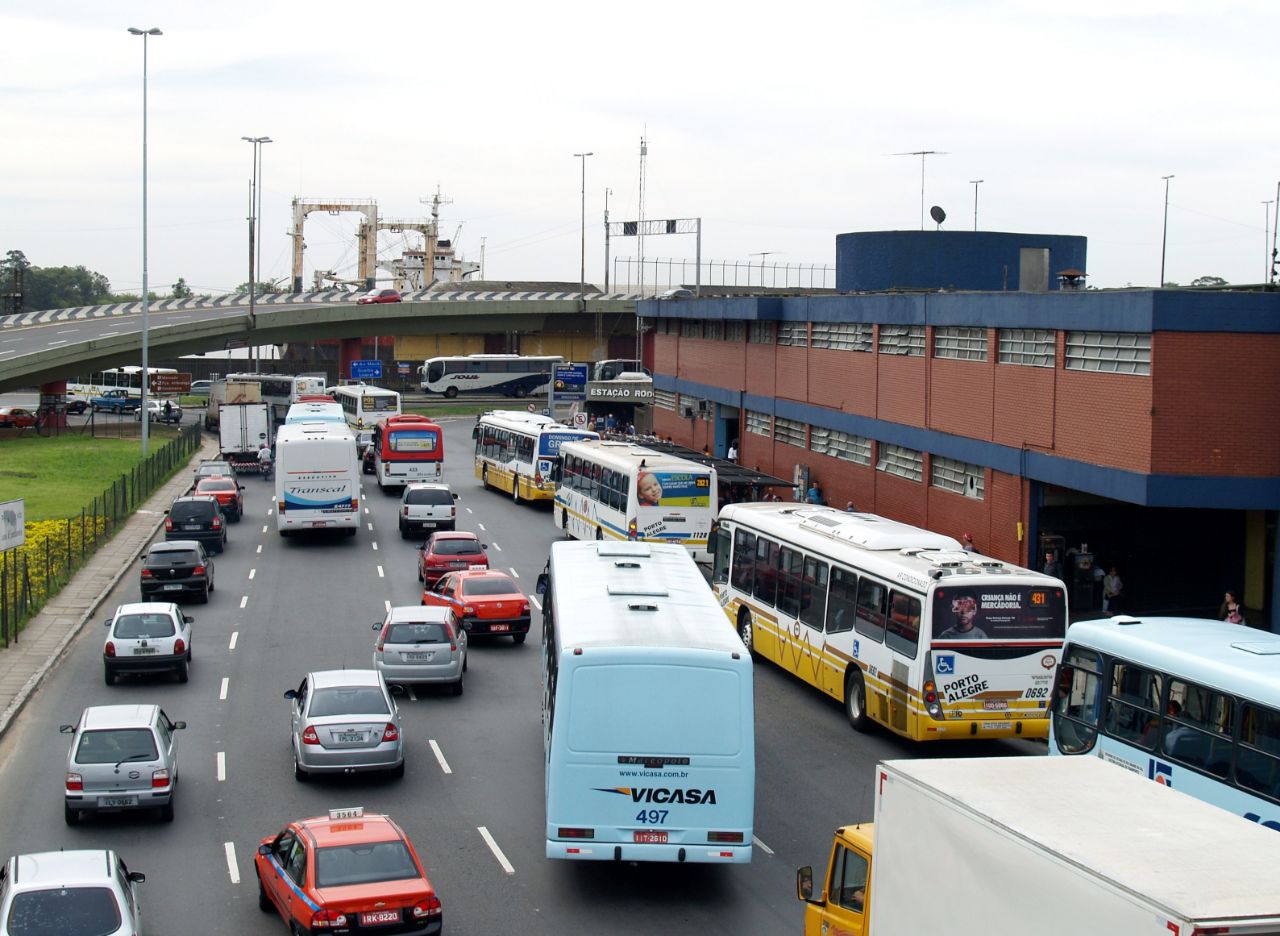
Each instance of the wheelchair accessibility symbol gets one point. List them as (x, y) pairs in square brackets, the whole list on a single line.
[(946, 663)]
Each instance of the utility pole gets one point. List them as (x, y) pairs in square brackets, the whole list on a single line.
[(1266, 234), (922, 154), (975, 183), (1164, 237)]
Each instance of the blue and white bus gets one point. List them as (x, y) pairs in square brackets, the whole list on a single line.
[(1190, 703), (647, 712), (504, 374)]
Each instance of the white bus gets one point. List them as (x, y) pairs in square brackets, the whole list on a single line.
[(505, 374), (647, 712), (517, 452), (620, 490), (1190, 703), (126, 378), (317, 478), (307, 385), (613, 368), (364, 405), (901, 625), (315, 412)]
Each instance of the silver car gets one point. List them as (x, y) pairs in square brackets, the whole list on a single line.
[(345, 721), (418, 644), (147, 637), (71, 892), (122, 758)]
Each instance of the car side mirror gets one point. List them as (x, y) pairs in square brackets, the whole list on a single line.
[(804, 883), (484, 545), (67, 729), (179, 725), (377, 625), (107, 622), (455, 496), (189, 619), (137, 877), (541, 587), (240, 486), (421, 546), (291, 693)]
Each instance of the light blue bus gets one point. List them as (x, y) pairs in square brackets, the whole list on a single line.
[(1190, 703), (647, 710)]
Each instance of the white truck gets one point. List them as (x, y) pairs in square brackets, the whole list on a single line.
[(242, 428), (1055, 846), (317, 478)]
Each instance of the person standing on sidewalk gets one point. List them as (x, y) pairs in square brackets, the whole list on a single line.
[(1232, 611), (1112, 591)]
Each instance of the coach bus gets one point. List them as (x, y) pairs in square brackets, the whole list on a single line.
[(365, 405), (505, 374), (317, 479), (517, 452), (899, 624), (1191, 703), (648, 720), (307, 385), (620, 490), (128, 378), (405, 449)]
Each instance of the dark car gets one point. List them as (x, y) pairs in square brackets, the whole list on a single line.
[(366, 461), (174, 568), (379, 295), (78, 407), (197, 517)]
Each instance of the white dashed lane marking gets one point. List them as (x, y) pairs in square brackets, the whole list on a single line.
[(252, 573), (222, 693), (761, 845), (244, 601), (388, 606), (381, 574), (232, 869), (514, 573), (497, 852), (222, 766), (235, 635), (435, 749)]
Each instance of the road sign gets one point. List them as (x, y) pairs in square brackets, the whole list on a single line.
[(13, 526), (404, 367), (569, 381), (580, 420), (170, 383), (366, 370)]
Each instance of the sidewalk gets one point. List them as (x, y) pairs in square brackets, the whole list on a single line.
[(42, 643)]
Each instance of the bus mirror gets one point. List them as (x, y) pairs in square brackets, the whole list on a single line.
[(541, 587), (475, 431), (804, 883)]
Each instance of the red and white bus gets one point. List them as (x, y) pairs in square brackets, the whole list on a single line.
[(405, 449)]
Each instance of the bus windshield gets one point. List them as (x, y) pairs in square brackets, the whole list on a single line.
[(998, 612), (413, 441), (549, 443)]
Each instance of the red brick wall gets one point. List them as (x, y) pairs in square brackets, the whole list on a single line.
[(843, 380), (760, 366), (1104, 419), (791, 377), (962, 396), (900, 389), (717, 363)]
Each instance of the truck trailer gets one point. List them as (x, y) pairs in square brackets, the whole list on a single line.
[(242, 428)]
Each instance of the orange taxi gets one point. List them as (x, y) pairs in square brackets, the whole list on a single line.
[(484, 601), (347, 872)]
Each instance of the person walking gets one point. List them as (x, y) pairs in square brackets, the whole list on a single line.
[(1112, 591), (1051, 565), (967, 543), (732, 454), (814, 496), (1231, 611)]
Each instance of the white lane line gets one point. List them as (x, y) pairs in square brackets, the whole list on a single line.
[(366, 510), (252, 573), (118, 324), (497, 852), (370, 527), (58, 342), (66, 331), (761, 845), (231, 862), (481, 526), (413, 696), (244, 601), (264, 528), (222, 766), (497, 547), (259, 547), (270, 512), (235, 635), (381, 574), (435, 749), (468, 509), (536, 603), (388, 606), (11, 340), (514, 573), (222, 693), (375, 546)]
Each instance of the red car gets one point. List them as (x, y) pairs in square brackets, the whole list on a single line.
[(13, 417), (379, 295), (485, 602), (348, 872), (448, 552), (228, 492)]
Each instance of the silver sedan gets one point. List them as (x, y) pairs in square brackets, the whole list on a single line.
[(345, 721)]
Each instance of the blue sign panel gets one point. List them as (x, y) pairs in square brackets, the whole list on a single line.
[(570, 383), (366, 370)]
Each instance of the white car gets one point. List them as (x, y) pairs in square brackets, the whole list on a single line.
[(427, 506), (145, 637), (156, 411), (89, 891)]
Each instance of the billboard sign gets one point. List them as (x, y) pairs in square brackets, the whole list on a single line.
[(13, 524), (569, 382)]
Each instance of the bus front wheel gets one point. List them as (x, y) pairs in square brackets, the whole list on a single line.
[(855, 700), (746, 631), (521, 392), (450, 392)]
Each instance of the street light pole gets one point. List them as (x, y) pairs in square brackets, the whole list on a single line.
[(582, 273), (1266, 235), (1164, 237), (146, 303), (975, 183), (255, 206)]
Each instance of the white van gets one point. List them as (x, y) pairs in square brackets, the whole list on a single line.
[(317, 478)]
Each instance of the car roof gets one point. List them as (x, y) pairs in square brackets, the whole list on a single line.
[(455, 535), (325, 679), (371, 827), (82, 866), (97, 717), (426, 486), (484, 573), (145, 607), (206, 480), (173, 546), (419, 614)]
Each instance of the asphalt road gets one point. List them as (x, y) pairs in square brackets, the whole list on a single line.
[(283, 607)]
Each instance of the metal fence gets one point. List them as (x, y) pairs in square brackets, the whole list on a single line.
[(55, 549)]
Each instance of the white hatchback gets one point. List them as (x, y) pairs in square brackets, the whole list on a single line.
[(87, 891), (147, 637)]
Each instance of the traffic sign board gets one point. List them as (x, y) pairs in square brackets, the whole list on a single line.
[(366, 370), (170, 383)]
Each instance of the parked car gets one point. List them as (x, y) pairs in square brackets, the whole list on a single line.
[(345, 721), (197, 517), (105, 739), (379, 295), (15, 417), (80, 891), (175, 567), (77, 406), (427, 506), (200, 387), (418, 645), (147, 637), (229, 493), (162, 411), (485, 602), (350, 872), (445, 552)]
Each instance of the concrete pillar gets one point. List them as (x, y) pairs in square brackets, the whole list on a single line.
[(53, 400), (349, 349)]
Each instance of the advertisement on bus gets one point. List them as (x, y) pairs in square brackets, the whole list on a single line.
[(999, 612), (673, 489)]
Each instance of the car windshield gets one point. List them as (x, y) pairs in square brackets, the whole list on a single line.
[(169, 556), (422, 632), (455, 547), (139, 626), (434, 496), (489, 585), (85, 911), (115, 745), (190, 511), (217, 484), (340, 865), (349, 700)]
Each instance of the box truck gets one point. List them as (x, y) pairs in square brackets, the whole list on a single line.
[(1051, 846), (242, 428), (222, 392)]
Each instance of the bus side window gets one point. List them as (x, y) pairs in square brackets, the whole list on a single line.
[(766, 584), (790, 569), (1133, 704), (903, 632), (741, 574), (813, 597), (870, 617), (1258, 753), (1077, 701), (843, 601)]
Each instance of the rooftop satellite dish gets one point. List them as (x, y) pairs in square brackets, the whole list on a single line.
[(938, 215)]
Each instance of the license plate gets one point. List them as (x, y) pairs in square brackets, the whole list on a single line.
[(499, 627), (995, 725), (650, 837), (173, 588), (350, 737), (110, 802), (143, 651), (418, 657), (457, 565), (317, 523), (376, 917), (191, 526)]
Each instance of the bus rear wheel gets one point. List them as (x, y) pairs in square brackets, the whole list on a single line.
[(855, 701), (450, 392), (746, 631), (521, 392)]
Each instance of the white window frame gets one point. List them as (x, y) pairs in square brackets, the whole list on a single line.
[(958, 477), (901, 461), (843, 445), (760, 424), (844, 336), (793, 334), (960, 343), (905, 340), (1028, 347), (1109, 352)]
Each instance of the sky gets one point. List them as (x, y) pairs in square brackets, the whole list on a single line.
[(776, 125)]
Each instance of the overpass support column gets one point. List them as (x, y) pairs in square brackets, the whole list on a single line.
[(349, 349), (53, 402)]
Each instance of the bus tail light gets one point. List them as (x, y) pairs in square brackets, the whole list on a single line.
[(727, 838), (280, 506), (575, 833), (932, 702), (632, 530), (355, 505)]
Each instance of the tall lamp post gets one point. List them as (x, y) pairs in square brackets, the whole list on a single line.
[(975, 183), (1266, 234), (582, 273), (146, 302), (255, 206), (1164, 237)]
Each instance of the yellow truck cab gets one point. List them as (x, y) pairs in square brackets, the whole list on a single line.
[(841, 908)]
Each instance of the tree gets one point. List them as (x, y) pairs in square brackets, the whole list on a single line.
[(181, 290), (1208, 281), (62, 287)]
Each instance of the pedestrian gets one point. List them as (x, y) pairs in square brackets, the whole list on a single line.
[(168, 410), (1112, 591), (631, 429), (1231, 611), (733, 451), (849, 508), (968, 543), (1052, 566), (814, 495)]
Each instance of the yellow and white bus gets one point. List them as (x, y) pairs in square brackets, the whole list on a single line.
[(900, 624), (364, 405), (623, 491), (516, 452)]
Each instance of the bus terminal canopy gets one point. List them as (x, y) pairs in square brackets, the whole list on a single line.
[(728, 472)]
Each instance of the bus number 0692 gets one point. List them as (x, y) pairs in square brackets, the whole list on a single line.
[(652, 816)]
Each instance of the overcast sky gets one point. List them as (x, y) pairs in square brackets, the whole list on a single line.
[(775, 124)]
